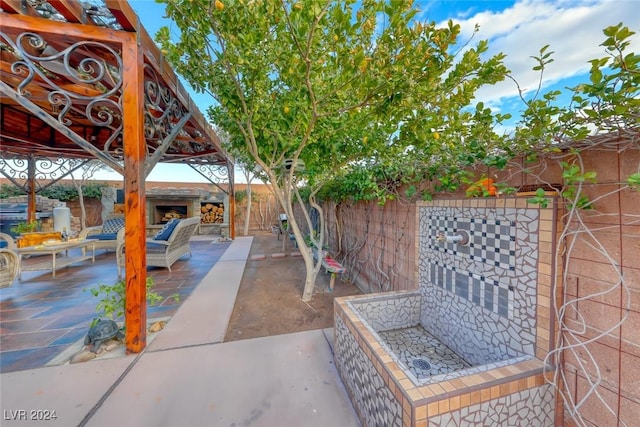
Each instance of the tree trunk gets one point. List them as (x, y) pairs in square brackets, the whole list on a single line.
[(312, 269), (309, 282), (312, 266), (83, 210)]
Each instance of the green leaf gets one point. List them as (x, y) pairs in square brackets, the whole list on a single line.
[(634, 181)]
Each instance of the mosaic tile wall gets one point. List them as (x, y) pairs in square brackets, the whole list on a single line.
[(384, 393), (393, 319), (373, 400), (532, 407), (479, 299), (422, 353), (394, 310)]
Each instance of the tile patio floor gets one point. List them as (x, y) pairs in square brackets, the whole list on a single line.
[(41, 316)]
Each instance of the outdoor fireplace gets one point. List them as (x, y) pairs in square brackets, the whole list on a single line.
[(163, 213), (164, 204)]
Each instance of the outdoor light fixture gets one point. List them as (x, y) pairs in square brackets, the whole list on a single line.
[(298, 165)]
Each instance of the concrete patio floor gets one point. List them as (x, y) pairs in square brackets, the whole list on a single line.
[(188, 377)]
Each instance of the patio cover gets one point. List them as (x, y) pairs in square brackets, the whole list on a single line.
[(85, 80)]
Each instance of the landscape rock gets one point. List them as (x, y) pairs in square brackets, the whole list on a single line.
[(83, 356)]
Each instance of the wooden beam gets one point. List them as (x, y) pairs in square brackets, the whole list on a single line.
[(135, 203), (8, 91), (154, 58), (18, 6), (72, 11), (31, 174), (67, 32), (125, 15), (166, 143)]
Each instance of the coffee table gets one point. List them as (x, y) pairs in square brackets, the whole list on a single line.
[(54, 262)]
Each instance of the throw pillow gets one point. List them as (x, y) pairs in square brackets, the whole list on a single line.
[(112, 225), (166, 231)]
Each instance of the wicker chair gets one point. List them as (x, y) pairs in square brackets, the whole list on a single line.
[(9, 261), (163, 253), (105, 235)]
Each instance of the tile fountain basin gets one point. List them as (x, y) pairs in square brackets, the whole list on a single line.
[(398, 372)]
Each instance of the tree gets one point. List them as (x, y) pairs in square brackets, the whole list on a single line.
[(327, 84), (87, 171), (247, 165)]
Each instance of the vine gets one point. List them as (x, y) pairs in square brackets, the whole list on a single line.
[(550, 141)]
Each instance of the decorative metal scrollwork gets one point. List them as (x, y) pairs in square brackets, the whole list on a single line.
[(46, 171), (162, 112), (216, 174), (161, 108), (80, 85), (80, 82)]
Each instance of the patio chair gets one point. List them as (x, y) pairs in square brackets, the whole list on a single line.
[(9, 261), (106, 235), (167, 246)]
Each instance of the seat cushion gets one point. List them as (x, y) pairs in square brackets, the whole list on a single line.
[(103, 236), (112, 226), (166, 231), (156, 248)]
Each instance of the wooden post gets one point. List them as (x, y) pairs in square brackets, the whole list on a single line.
[(31, 177), (134, 194)]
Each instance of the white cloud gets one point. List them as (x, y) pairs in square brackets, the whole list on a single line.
[(573, 29)]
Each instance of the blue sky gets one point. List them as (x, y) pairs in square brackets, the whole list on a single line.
[(517, 28)]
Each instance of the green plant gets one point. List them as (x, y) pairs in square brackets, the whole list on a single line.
[(241, 196), (331, 85), (26, 227), (112, 299), (65, 192), (311, 239), (7, 191), (540, 198)]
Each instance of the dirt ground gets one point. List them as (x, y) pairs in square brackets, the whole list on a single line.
[(269, 300)]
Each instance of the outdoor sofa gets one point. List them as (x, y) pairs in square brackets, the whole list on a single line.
[(9, 260), (167, 246)]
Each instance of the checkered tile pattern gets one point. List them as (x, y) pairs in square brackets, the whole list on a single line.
[(491, 242), (490, 294)]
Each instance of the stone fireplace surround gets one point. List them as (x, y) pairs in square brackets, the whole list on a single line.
[(179, 202), (182, 201)]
